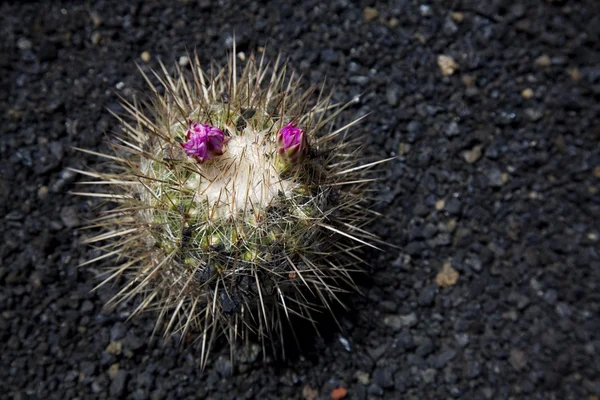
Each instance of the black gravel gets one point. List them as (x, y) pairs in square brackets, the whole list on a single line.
[(498, 177)]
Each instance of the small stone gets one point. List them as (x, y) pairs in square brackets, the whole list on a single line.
[(224, 367), (510, 315), (117, 386), (447, 65), (86, 307), (362, 377), (517, 359), (330, 56), (397, 322), (406, 341), (425, 10), (65, 178), (521, 301), (42, 192), (414, 248), (574, 73), (517, 10), (429, 375), (68, 216), (24, 44), (527, 93), (393, 22), (403, 148), (421, 210), (370, 14), (474, 262), (430, 230), (425, 348), (96, 19), (452, 129), (112, 370), (449, 226), (442, 239), (494, 176), (309, 393), (117, 331), (440, 204), (450, 27), (457, 16), (444, 358), (453, 206), (376, 390), (145, 56), (97, 386), (473, 369), (468, 80), (409, 320), (87, 368), (471, 156), (393, 321), (388, 306), (96, 38), (543, 61), (114, 347), (427, 296), (391, 95), (534, 114), (184, 61), (415, 130), (383, 377), (448, 276), (377, 352), (339, 393), (563, 310), (359, 79)]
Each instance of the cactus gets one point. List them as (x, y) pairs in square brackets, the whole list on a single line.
[(238, 203)]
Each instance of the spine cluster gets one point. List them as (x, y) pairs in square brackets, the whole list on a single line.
[(239, 204)]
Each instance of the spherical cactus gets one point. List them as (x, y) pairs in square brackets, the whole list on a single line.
[(239, 204)]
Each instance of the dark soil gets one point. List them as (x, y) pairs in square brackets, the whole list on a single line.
[(498, 176)]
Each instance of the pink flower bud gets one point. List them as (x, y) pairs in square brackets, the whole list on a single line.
[(203, 141), (292, 143)]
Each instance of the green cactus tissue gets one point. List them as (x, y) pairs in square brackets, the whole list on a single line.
[(239, 204)]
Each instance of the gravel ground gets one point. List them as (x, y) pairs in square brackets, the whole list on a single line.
[(493, 202)]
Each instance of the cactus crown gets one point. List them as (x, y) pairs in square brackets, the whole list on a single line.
[(239, 204)]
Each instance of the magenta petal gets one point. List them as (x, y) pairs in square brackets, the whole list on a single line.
[(203, 141), (292, 143)]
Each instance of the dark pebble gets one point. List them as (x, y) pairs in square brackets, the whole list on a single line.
[(117, 331), (452, 129), (453, 206), (473, 369), (329, 56), (375, 390), (406, 341), (383, 377), (421, 210), (444, 357), (425, 348), (118, 384), (494, 176), (427, 295)]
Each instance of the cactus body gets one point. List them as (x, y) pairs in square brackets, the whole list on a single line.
[(239, 204)]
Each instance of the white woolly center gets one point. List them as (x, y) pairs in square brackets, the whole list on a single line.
[(244, 178)]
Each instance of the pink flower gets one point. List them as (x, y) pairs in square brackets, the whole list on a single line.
[(203, 141), (292, 142)]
